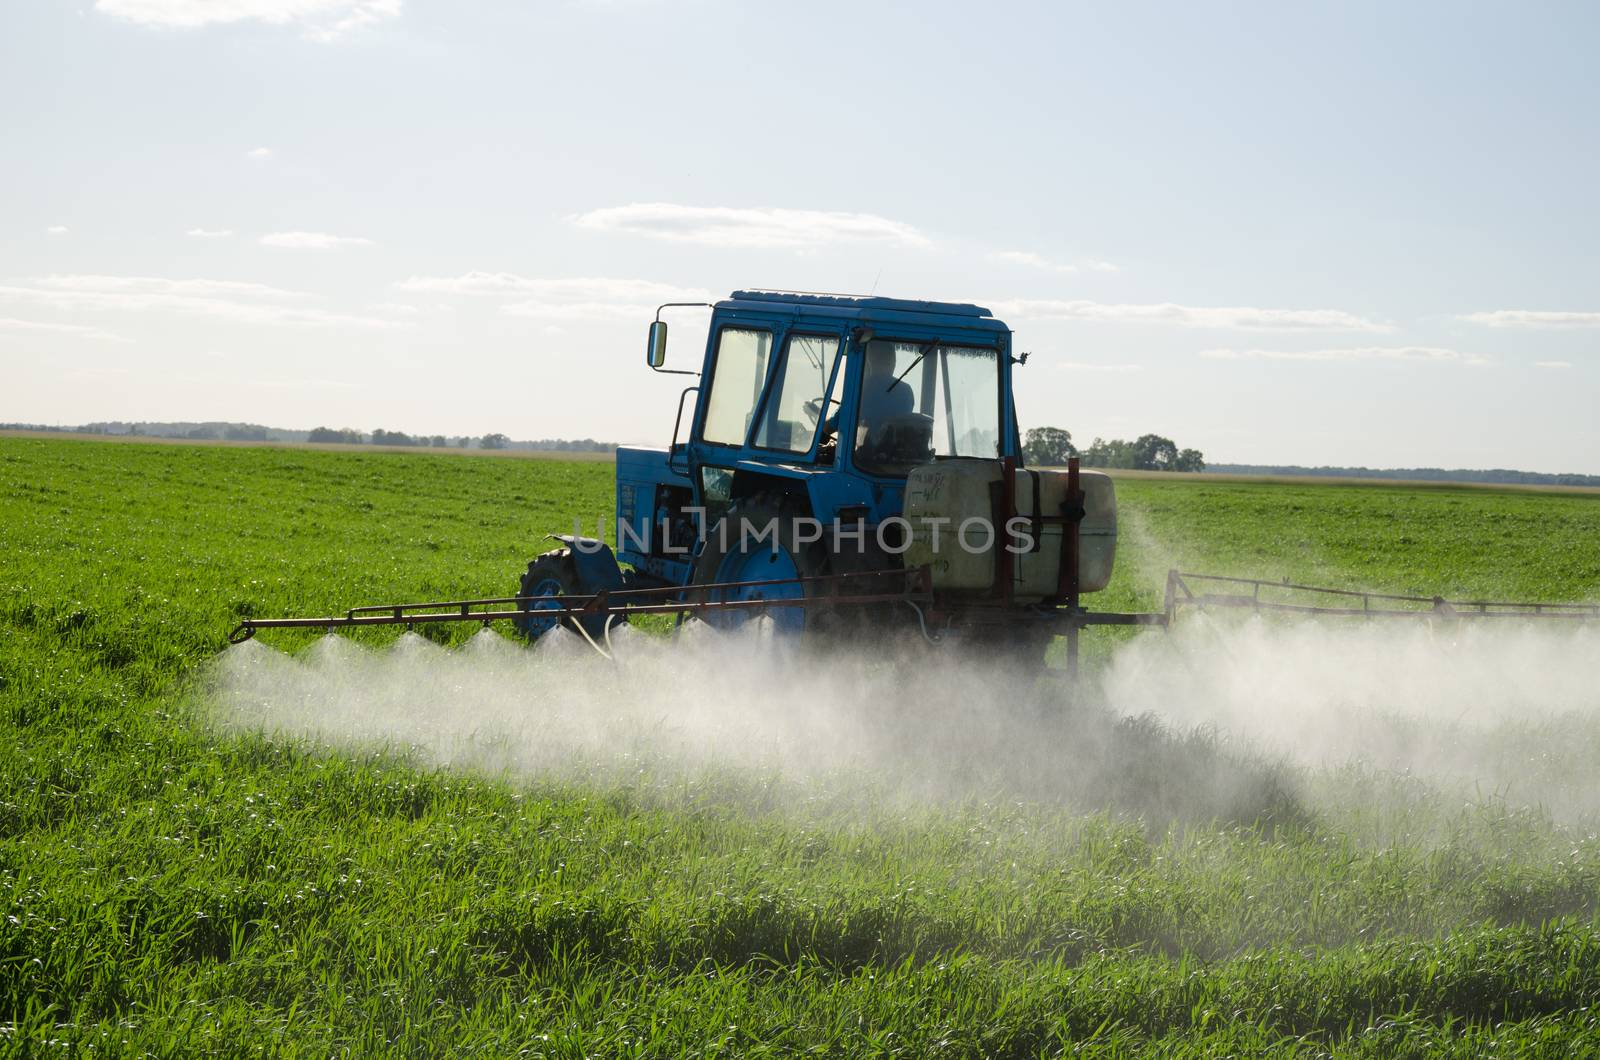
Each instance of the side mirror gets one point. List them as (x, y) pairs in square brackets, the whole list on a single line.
[(655, 352)]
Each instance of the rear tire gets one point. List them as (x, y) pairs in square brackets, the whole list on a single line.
[(730, 555)]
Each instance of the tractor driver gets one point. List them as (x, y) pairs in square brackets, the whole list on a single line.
[(883, 397)]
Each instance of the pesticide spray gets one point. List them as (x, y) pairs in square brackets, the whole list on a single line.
[(1237, 721)]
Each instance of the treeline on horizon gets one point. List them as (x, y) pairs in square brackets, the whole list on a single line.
[(1496, 476), (1047, 446), (211, 431), (350, 436)]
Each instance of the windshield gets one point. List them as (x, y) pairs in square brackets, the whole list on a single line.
[(925, 401)]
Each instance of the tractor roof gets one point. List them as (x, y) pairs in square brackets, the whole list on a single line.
[(871, 307)]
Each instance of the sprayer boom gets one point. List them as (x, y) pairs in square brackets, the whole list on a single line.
[(1258, 594), (884, 587), (910, 588)]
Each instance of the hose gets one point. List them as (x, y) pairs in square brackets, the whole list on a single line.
[(579, 627), (922, 622)]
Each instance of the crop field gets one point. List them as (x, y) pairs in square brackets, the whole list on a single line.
[(1120, 872)]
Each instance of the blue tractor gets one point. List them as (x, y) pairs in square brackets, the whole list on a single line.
[(853, 464), (827, 435)]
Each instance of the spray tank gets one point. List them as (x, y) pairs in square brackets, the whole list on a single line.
[(954, 509)]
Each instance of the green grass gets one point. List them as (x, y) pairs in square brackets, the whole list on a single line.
[(168, 888)]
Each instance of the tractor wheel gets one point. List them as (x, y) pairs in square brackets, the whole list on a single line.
[(731, 556), (552, 574)]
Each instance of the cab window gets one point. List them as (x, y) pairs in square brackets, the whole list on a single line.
[(926, 401), (738, 374), (794, 408)]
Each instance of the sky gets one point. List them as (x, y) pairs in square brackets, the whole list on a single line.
[(1347, 234)]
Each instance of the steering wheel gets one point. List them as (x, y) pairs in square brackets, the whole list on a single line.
[(816, 406)]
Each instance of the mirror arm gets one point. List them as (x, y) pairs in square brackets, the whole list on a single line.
[(680, 305), (677, 305)]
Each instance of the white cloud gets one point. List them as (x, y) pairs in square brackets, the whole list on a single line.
[(209, 233), (1552, 364), (573, 298), (156, 286), (1533, 318), (259, 153), (322, 20), (727, 226), (399, 308), (28, 327), (1082, 366), (1432, 354), (1242, 317), (311, 241), (1039, 261), (248, 303), (58, 230)]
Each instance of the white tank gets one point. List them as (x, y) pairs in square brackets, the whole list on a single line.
[(951, 506)]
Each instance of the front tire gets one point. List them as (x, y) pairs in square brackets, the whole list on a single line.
[(552, 574)]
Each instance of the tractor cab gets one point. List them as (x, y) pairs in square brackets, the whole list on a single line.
[(862, 386), (829, 401)]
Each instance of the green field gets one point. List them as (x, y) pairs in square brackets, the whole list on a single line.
[(173, 886)]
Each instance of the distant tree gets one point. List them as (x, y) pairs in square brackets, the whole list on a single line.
[(493, 441), (1154, 453), (463, 442), (328, 435), (244, 433), (1148, 452), (383, 437), (201, 434), (1114, 453), (1043, 446), (437, 441)]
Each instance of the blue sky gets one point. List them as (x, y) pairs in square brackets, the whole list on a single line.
[(1353, 234)]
